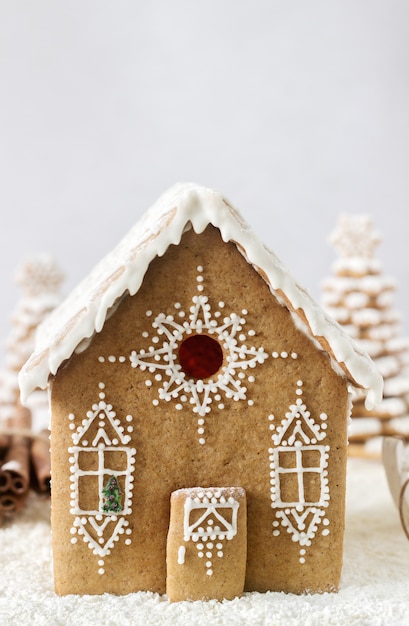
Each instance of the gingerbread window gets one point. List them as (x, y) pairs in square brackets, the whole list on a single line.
[(93, 469), (200, 356), (298, 473)]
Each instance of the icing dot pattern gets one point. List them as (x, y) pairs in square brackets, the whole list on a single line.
[(233, 356), (299, 453), (217, 523), (98, 528)]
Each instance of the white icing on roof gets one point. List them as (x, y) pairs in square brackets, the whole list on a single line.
[(185, 205)]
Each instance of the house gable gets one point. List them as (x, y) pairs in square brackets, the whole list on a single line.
[(138, 413), (85, 311), (182, 441)]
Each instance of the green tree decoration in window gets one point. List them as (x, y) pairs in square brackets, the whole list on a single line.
[(111, 494)]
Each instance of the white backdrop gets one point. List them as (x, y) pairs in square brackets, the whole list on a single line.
[(297, 111)]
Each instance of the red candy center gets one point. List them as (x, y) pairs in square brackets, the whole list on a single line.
[(200, 356)]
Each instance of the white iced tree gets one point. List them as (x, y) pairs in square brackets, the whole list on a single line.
[(39, 280), (361, 298)]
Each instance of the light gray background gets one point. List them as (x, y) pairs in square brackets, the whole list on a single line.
[(296, 110)]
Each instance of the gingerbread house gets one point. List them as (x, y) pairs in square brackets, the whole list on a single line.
[(199, 406)]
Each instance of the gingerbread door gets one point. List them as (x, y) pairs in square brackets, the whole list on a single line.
[(207, 544)]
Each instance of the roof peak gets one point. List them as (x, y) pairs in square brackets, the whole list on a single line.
[(85, 310)]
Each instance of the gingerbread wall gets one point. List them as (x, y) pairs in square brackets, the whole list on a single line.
[(275, 424)]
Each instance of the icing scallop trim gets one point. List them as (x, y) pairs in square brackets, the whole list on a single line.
[(184, 206)]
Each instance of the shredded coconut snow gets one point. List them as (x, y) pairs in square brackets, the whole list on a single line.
[(374, 584)]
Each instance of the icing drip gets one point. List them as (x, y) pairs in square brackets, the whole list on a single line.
[(123, 270), (181, 555), (298, 455)]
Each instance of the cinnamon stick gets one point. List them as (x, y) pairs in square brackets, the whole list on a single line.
[(5, 482), (11, 504), (40, 460), (4, 444), (15, 467)]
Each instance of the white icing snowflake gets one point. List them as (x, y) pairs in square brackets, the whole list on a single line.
[(162, 357), (355, 236)]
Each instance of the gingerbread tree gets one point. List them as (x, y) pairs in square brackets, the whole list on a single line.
[(112, 496), (361, 298), (24, 456), (39, 279)]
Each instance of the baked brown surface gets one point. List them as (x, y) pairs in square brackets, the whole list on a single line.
[(207, 544), (168, 454)]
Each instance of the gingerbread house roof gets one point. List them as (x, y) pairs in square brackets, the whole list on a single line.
[(184, 206)]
